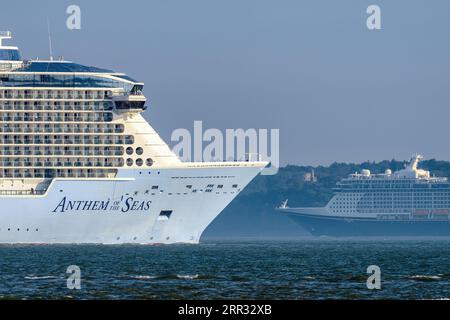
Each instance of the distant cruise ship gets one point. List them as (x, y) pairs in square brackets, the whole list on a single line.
[(79, 164), (408, 202)]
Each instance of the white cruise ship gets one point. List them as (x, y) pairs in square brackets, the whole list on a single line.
[(408, 202), (79, 164)]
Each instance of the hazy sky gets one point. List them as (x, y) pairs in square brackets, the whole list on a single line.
[(336, 91)]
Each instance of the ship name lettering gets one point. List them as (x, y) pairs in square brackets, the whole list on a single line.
[(131, 205), (67, 205)]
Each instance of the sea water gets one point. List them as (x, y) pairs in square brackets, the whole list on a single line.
[(231, 269)]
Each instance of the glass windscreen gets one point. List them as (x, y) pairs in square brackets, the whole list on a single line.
[(9, 55)]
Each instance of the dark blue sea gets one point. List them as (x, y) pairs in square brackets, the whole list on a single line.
[(237, 269)]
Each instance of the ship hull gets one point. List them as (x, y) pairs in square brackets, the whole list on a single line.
[(127, 209), (342, 227)]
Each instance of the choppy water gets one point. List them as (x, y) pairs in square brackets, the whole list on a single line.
[(311, 269)]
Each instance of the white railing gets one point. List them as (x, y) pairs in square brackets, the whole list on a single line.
[(22, 192), (5, 34), (250, 156)]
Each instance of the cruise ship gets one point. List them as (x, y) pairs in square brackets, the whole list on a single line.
[(409, 202), (80, 164)]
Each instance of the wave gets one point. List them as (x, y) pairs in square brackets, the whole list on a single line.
[(168, 277), (40, 277), (425, 277), (187, 276), (143, 277)]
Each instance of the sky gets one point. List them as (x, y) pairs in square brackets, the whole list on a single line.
[(336, 90)]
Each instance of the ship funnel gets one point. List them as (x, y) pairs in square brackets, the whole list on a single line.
[(415, 161)]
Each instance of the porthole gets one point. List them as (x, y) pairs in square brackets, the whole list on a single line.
[(139, 151), (129, 162), (139, 162), (149, 162), (130, 151)]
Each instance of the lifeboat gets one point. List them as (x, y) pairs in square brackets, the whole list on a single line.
[(420, 213), (441, 213)]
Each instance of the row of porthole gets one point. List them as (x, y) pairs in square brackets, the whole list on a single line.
[(140, 162), (18, 229), (139, 151), (147, 192), (151, 238)]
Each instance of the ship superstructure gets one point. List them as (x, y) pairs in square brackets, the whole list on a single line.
[(80, 164)]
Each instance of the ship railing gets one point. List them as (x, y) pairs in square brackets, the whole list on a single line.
[(6, 66), (134, 93), (250, 156), (5, 34), (21, 192)]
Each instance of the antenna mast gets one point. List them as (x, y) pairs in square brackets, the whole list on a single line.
[(49, 40)]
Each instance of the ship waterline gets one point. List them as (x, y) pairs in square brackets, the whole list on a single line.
[(79, 163)]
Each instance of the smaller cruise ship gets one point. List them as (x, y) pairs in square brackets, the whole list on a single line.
[(409, 202)]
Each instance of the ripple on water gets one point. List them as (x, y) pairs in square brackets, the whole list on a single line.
[(31, 277), (187, 276), (143, 277), (422, 277), (221, 270)]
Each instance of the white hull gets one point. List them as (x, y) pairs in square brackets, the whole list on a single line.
[(127, 209)]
